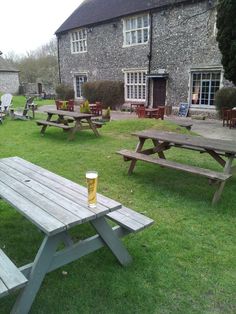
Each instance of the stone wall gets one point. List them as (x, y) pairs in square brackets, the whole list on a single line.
[(183, 38), (9, 82)]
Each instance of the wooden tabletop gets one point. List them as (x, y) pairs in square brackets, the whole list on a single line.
[(191, 141), (73, 114), (49, 201), (151, 109)]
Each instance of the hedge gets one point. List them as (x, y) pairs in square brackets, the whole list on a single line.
[(109, 93), (225, 97)]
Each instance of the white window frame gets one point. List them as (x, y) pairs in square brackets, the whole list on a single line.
[(78, 41), (135, 30), (203, 70), (75, 83), (135, 82)]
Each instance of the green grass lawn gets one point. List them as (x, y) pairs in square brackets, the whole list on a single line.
[(184, 263)]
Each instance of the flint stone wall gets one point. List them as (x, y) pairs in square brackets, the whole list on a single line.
[(183, 38), (9, 82)]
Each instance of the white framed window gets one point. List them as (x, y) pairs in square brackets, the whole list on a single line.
[(135, 85), (204, 85), (78, 41), (136, 30), (80, 79)]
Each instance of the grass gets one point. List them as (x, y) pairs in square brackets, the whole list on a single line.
[(184, 263)]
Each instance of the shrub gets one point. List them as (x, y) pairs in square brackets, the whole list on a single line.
[(225, 97), (84, 108), (64, 92), (110, 93)]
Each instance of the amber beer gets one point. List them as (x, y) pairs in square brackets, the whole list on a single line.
[(92, 181)]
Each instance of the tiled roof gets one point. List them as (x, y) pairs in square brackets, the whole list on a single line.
[(5, 66), (97, 11)]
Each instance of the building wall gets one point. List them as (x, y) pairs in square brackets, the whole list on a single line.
[(105, 58), (9, 82), (183, 38)]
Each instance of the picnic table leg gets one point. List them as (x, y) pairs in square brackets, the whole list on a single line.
[(160, 153), (138, 149), (45, 126), (221, 185), (92, 126), (75, 129), (38, 272), (111, 240)]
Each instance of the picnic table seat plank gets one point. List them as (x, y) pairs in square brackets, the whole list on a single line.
[(72, 186), (56, 124), (213, 175), (130, 219), (11, 277)]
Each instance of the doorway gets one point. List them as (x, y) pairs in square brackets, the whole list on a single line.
[(40, 88), (159, 92)]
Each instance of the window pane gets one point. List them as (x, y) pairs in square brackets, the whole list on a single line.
[(128, 24), (145, 35), (139, 22), (139, 36), (134, 37), (133, 23), (128, 38), (145, 20)]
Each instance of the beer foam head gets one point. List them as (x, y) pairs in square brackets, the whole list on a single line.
[(91, 175)]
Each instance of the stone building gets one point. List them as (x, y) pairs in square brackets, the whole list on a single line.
[(9, 77), (165, 51)]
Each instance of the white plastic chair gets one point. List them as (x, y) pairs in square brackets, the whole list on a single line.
[(5, 102)]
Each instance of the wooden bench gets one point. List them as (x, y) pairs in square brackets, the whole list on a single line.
[(11, 277), (130, 219), (214, 176), (98, 124), (58, 125)]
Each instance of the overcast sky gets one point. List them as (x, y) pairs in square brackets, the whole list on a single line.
[(26, 25)]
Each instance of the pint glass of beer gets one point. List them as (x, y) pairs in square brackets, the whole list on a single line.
[(92, 181)]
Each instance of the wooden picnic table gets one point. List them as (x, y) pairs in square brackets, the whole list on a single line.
[(151, 112), (54, 205), (222, 151), (80, 121)]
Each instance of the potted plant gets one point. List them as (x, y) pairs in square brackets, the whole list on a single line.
[(84, 108), (107, 114)]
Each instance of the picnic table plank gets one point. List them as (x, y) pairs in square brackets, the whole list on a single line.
[(39, 200), (79, 199), (213, 175), (10, 276), (72, 186), (53, 196), (35, 214), (189, 140)]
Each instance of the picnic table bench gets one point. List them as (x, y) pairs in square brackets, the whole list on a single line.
[(81, 121), (162, 141), (54, 205)]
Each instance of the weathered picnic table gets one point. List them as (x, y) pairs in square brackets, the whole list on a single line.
[(81, 121), (54, 205), (162, 141)]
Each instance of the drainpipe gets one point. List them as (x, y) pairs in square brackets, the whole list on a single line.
[(58, 60), (149, 57)]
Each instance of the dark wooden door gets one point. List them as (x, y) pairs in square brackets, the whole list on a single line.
[(159, 92)]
